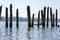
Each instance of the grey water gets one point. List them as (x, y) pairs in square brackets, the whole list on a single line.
[(23, 34)]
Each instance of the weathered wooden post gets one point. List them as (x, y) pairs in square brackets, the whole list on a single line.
[(38, 18), (51, 15), (33, 21), (10, 15), (0, 12), (29, 18), (56, 16), (53, 21), (47, 16), (6, 17), (44, 16), (17, 19)]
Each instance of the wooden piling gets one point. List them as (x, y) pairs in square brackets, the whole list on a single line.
[(10, 15), (29, 17), (33, 21), (51, 15), (6, 17), (38, 18), (44, 16), (17, 19), (53, 21), (56, 16), (47, 16), (0, 12)]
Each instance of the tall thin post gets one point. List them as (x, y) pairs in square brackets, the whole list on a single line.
[(44, 15), (53, 21), (10, 15), (6, 17), (51, 15), (17, 19), (33, 21), (29, 17), (47, 16), (56, 16), (0, 12), (42, 18), (38, 18)]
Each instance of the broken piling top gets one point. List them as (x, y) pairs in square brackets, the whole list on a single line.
[(28, 10), (39, 12), (17, 12), (48, 11), (39, 15), (44, 11), (10, 5), (51, 11)]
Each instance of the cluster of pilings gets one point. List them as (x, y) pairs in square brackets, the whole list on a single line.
[(41, 17), (17, 16), (45, 12)]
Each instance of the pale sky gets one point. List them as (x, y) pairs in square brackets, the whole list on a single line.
[(35, 6)]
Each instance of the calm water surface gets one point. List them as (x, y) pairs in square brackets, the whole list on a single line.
[(23, 34)]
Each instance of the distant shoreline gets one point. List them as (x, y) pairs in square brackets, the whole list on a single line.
[(24, 19)]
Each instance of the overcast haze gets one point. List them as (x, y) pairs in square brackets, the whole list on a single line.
[(35, 6)]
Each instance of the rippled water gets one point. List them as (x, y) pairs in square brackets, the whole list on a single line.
[(23, 34)]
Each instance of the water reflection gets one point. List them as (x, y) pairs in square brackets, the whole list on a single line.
[(34, 34), (30, 34), (10, 34), (0, 33), (38, 34), (17, 34), (7, 33)]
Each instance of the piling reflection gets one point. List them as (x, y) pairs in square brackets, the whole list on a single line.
[(43, 34), (30, 35), (17, 34), (10, 34), (6, 33), (38, 34)]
